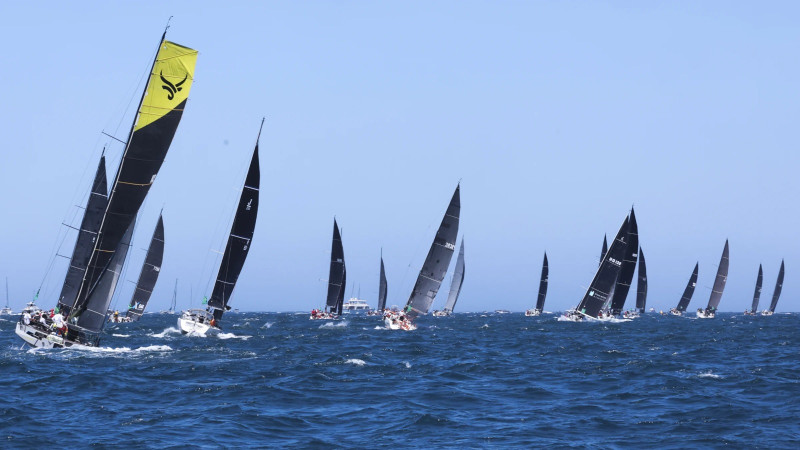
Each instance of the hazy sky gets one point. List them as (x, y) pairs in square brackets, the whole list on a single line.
[(556, 116)]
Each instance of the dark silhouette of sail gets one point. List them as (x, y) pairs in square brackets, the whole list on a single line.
[(625, 278), (382, 288), (92, 216), (543, 280), (340, 298), (239, 239), (719, 281), (606, 275), (93, 318), (687, 293), (777, 293), (757, 293), (641, 284), (435, 266), (457, 282), (604, 250), (149, 274), (336, 275)]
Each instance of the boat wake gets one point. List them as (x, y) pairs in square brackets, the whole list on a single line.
[(121, 335), (108, 350), (334, 324), (170, 330), (232, 336)]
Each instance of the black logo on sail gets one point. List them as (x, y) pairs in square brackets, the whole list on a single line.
[(172, 88)]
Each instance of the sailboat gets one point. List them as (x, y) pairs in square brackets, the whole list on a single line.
[(683, 303), (757, 295), (89, 294), (719, 285), (6, 311), (337, 280), (641, 285), (776, 294), (625, 277), (455, 285), (240, 239), (149, 274), (174, 302), (433, 270), (604, 279), (543, 287), (382, 290)]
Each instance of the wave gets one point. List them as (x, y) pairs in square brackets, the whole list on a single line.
[(170, 330), (121, 335), (709, 374), (232, 336), (268, 325), (357, 362), (343, 323)]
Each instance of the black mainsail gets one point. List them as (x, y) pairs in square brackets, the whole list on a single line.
[(757, 293), (340, 297), (777, 293), (92, 216), (543, 280), (606, 275), (382, 287), (604, 249), (625, 278), (719, 281), (687, 293), (457, 281), (641, 284), (336, 275), (435, 266), (158, 115), (149, 274), (240, 238)]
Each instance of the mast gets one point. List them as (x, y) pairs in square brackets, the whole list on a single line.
[(336, 279), (683, 303), (435, 266), (777, 293), (158, 115), (149, 273), (543, 280), (625, 277), (174, 303), (457, 281), (641, 285), (382, 287), (719, 281), (239, 239), (598, 292), (757, 293)]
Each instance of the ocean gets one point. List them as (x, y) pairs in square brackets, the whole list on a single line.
[(469, 380)]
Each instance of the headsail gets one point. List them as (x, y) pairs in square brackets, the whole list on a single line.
[(92, 216), (149, 274), (757, 293), (382, 288), (457, 282), (340, 299), (606, 275), (543, 285), (778, 287), (625, 277), (239, 239), (157, 118), (719, 281), (336, 274), (687, 293), (641, 285), (435, 266)]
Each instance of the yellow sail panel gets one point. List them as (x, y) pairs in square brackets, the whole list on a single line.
[(169, 84)]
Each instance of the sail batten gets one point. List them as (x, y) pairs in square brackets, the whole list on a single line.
[(149, 273)]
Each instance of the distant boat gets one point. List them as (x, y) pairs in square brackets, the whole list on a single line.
[(604, 279), (683, 303), (641, 285), (240, 238), (174, 303), (776, 294), (719, 285), (625, 277), (433, 269), (6, 311), (543, 280), (337, 280), (455, 285), (148, 275), (754, 307)]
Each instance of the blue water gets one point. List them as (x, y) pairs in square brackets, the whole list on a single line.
[(468, 380)]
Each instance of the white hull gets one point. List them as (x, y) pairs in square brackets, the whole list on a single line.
[(676, 313), (190, 326), (37, 338), (6, 312), (533, 313), (766, 312), (441, 314), (393, 323), (703, 315)]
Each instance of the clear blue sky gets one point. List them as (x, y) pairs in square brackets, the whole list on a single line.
[(557, 116)]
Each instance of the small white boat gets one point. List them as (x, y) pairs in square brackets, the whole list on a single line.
[(766, 312), (395, 320), (318, 314), (355, 304), (675, 312), (533, 312), (705, 314), (6, 311), (443, 313), (197, 322)]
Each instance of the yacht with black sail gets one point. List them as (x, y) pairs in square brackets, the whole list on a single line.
[(108, 222), (382, 289), (719, 285), (148, 275), (202, 322), (776, 294), (753, 311), (625, 278), (337, 280), (683, 303), (455, 285), (542, 289), (433, 270), (641, 285)]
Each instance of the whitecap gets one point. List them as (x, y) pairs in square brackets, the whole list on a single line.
[(121, 335), (170, 330), (709, 374), (486, 325), (358, 362), (232, 336), (267, 325), (155, 348), (407, 364), (334, 324)]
